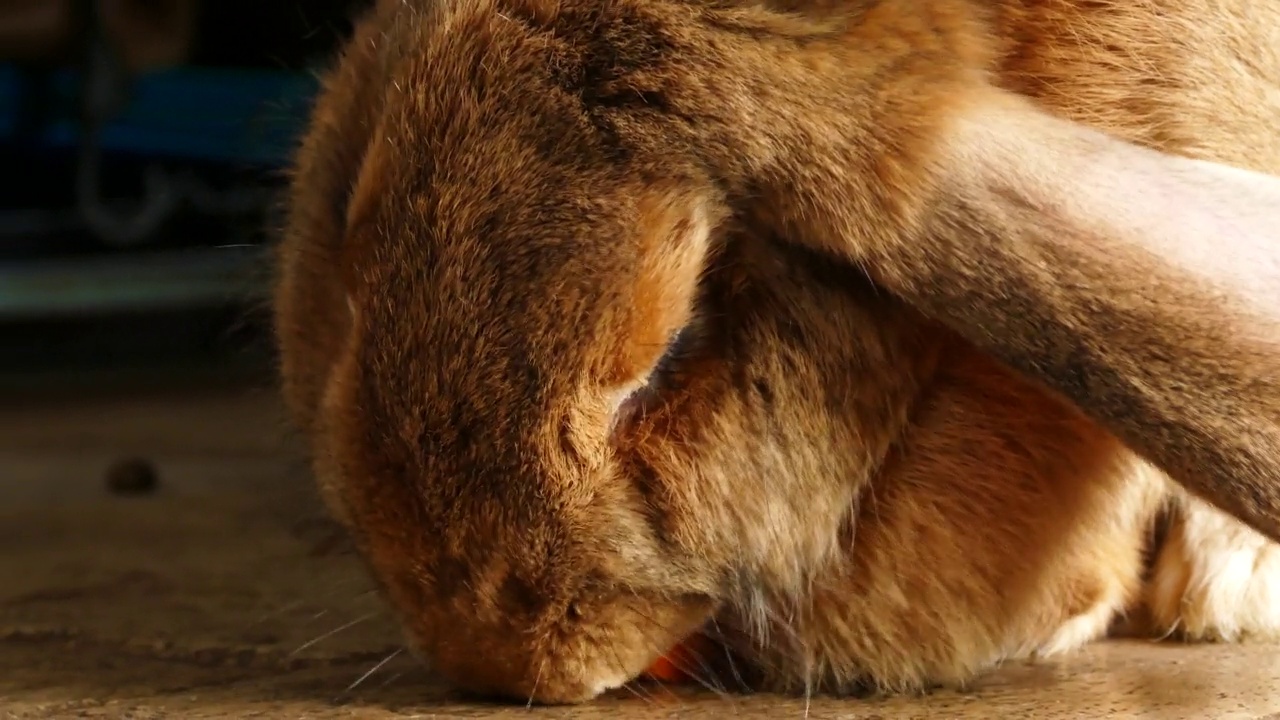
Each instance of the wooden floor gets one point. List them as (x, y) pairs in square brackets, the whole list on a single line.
[(223, 595)]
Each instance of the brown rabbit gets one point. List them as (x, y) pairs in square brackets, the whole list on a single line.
[(840, 328)]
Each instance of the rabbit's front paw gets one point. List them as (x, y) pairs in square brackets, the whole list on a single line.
[(1215, 579), (1080, 630)]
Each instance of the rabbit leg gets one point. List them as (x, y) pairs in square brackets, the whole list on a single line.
[(1111, 561), (1214, 579), (1087, 626)]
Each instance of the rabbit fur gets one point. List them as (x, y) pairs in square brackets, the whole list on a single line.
[(884, 340)]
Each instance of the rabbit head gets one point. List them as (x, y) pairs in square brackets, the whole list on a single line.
[(566, 406)]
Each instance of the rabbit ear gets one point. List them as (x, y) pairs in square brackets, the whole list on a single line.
[(1142, 285)]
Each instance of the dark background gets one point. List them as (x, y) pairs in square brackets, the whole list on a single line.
[(188, 287)]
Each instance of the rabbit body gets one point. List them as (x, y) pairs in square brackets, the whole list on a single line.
[(571, 410)]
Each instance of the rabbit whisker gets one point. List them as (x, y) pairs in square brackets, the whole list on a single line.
[(331, 633), (390, 679), (369, 673), (706, 678), (537, 679), (613, 649), (728, 654)]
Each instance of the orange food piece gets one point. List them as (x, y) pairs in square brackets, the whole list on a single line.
[(671, 667), (666, 671)]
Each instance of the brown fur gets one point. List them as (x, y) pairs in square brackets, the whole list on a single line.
[(506, 210)]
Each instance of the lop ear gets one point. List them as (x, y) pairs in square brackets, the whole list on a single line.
[(1142, 285)]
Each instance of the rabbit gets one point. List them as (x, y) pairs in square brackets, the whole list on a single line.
[(880, 342)]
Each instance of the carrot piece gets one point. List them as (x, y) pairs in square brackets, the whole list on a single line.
[(666, 671), (668, 668)]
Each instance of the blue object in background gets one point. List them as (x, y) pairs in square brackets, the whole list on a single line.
[(241, 119), (246, 118)]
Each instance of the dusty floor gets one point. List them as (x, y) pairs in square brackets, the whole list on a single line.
[(220, 596)]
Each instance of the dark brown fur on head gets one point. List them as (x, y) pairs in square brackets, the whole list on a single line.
[(495, 282), (576, 390)]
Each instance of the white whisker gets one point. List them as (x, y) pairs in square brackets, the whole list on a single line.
[(332, 632), (373, 670), (394, 677), (536, 679)]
